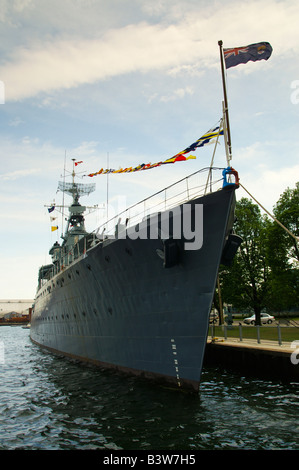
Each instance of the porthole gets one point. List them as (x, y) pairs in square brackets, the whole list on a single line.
[(128, 251)]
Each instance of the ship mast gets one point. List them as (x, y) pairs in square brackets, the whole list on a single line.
[(73, 172), (224, 122), (228, 150), (76, 190)]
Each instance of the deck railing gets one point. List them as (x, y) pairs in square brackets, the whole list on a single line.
[(194, 185), (276, 333)]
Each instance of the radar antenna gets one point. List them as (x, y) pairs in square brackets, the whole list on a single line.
[(76, 189)]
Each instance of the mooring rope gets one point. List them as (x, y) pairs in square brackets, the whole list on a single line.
[(272, 216)]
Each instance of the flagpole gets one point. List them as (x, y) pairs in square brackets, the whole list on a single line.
[(225, 100), (62, 214), (228, 156), (107, 196)]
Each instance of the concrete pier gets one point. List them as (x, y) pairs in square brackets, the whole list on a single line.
[(265, 360)]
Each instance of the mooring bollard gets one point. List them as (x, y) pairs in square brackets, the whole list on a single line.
[(279, 335), (213, 331), (240, 332)]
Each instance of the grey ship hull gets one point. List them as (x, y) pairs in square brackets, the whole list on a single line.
[(119, 307)]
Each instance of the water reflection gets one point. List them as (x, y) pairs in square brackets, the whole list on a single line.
[(51, 403)]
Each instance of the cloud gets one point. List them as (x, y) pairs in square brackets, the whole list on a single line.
[(179, 93), (64, 64), (188, 44), (267, 185), (21, 271), (13, 175), (15, 122), (168, 50)]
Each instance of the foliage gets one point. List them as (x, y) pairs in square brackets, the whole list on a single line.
[(283, 254), (283, 248), (265, 271), (245, 284)]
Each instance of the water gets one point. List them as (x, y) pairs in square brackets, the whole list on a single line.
[(49, 403)]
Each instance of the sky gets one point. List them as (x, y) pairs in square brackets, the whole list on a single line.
[(122, 82)]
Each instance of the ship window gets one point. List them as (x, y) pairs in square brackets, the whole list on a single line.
[(129, 251)]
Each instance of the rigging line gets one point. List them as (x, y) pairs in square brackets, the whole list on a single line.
[(272, 216)]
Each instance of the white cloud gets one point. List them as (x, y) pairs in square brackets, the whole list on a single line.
[(16, 122), (266, 185), (21, 5), (168, 49), (21, 275), (13, 175), (177, 94), (65, 64), (190, 44)]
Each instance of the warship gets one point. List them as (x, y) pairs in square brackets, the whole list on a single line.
[(138, 300), (135, 294)]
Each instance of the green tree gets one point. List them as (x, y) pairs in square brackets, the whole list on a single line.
[(283, 253), (246, 283)]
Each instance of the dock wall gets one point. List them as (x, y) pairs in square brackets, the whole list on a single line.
[(256, 360)]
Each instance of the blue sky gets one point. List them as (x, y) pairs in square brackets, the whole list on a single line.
[(137, 81)]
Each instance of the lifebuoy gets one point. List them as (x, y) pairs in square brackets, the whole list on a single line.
[(230, 171)]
